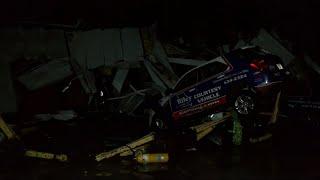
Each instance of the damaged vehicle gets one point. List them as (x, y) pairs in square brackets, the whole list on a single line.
[(240, 80)]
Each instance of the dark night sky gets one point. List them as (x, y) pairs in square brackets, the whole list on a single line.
[(61, 10), (295, 20)]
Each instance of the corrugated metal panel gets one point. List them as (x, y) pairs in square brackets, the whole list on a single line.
[(132, 44), (105, 47)]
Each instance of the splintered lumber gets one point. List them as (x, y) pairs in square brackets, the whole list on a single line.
[(134, 151), (7, 130), (132, 145), (45, 155), (206, 125), (274, 116), (204, 133)]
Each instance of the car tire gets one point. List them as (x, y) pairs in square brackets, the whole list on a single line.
[(245, 103), (247, 117)]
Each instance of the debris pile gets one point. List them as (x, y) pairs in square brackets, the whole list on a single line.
[(104, 76)]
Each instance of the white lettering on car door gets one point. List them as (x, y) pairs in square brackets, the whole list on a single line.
[(235, 78)]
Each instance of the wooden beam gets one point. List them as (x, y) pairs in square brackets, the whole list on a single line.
[(205, 125), (139, 142), (274, 116), (133, 151), (45, 155), (204, 133), (7, 130)]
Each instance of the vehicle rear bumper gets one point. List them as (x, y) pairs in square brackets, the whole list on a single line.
[(269, 89)]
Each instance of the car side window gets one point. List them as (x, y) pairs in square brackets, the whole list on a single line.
[(211, 69), (189, 80)]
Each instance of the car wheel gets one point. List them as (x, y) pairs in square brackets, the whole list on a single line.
[(244, 103)]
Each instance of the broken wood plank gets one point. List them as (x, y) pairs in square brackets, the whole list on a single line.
[(205, 125), (45, 155), (134, 151), (204, 133), (7, 130), (105, 155), (274, 116)]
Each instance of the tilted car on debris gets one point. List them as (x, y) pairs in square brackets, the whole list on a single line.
[(239, 80)]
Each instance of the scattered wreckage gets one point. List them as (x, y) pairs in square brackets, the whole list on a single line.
[(210, 94)]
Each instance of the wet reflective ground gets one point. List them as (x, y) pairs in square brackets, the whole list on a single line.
[(292, 153)]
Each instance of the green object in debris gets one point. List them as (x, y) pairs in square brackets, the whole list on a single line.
[(237, 129)]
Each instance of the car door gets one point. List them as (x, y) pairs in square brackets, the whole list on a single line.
[(182, 98), (198, 90)]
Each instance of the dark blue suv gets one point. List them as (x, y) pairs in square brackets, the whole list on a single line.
[(235, 80)]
